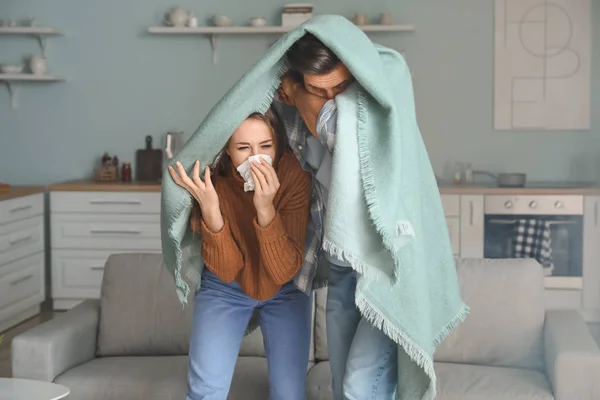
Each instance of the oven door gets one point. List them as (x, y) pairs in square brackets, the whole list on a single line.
[(555, 241)]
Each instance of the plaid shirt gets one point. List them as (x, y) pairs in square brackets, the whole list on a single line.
[(297, 133)]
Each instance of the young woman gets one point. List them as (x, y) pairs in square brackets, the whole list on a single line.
[(252, 246)]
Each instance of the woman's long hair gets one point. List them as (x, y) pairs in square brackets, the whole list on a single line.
[(221, 165)]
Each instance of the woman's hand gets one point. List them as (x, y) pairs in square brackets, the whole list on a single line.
[(266, 185), (204, 193)]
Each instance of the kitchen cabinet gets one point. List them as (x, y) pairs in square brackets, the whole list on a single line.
[(591, 258), (89, 222), (471, 226), (22, 256), (464, 217), (87, 226)]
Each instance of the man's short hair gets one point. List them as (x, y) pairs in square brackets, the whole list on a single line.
[(310, 56)]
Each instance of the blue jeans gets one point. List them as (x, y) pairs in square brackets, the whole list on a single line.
[(363, 360), (221, 314)]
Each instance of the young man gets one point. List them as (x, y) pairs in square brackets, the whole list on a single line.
[(363, 359)]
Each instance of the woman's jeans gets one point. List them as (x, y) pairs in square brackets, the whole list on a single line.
[(221, 314), (363, 361)]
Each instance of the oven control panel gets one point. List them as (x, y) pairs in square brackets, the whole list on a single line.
[(534, 204)]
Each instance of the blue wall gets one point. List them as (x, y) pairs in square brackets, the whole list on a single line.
[(123, 84)]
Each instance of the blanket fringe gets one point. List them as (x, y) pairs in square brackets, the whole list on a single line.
[(462, 314), (368, 181), (268, 100), (415, 353), (182, 287), (370, 273), (378, 320)]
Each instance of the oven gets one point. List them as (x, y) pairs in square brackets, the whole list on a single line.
[(548, 228)]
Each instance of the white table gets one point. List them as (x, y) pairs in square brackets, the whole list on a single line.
[(26, 389)]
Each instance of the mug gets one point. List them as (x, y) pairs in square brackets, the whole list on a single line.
[(360, 19), (386, 18)]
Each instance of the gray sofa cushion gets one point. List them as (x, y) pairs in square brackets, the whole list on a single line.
[(140, 313), (156, 378), (505, 325), (458, 382), (473, 382)]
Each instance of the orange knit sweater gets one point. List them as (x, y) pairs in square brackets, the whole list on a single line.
[(260, 260)]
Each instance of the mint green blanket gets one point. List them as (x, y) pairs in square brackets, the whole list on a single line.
[(384, 210)]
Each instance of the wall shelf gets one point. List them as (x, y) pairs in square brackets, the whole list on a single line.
[(232, 30), (214, 31), (10, 79), (29, 78), (29, 30), (39, 32)]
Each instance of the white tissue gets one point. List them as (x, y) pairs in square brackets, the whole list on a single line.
[(245, 172)]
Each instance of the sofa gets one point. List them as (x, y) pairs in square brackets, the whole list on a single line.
[(132, 342)]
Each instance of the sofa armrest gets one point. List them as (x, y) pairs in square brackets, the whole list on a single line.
[(572, 356), (55, 346)]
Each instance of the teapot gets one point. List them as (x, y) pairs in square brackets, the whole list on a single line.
[(177, 17)]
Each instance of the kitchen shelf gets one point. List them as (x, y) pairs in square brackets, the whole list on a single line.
[(29, 78), (9, 79), (39, 32), (29, 30), (232, 30), (214, 31)]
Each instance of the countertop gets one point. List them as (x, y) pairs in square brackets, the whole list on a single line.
[(21, 191), (534, 188), (92, 186)]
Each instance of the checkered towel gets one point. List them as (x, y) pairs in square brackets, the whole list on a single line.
[(532, 240)]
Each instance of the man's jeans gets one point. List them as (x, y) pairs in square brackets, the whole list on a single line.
[(363, 360), (221, 314)]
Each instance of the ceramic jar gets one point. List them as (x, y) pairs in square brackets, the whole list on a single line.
[(37, 65)]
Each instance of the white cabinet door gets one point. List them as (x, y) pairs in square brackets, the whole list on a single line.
[(105, 231), (471, 226), (105, 202), (591, 258), (451, 205)]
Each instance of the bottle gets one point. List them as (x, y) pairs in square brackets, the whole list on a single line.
[(126, 172), (105, 159), (457, 174), (468, 173)]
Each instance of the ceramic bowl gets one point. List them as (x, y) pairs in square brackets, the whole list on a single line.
[(11, 69), (222, 20), (258, 21)]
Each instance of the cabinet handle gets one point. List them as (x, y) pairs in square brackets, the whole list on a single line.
[(115, 231), (21, 280), (20, 240), (471, 213), (96, 268), (596, 213), (115, 202), (22, 208)]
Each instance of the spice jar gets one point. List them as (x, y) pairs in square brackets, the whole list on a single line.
[(126, 172)]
